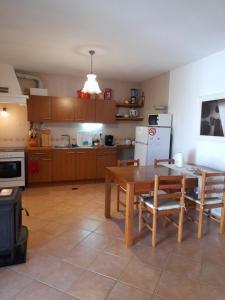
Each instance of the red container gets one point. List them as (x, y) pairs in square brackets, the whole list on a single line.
[(83, 95), (108, 94)]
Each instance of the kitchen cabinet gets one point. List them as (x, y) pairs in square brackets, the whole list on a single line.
[(64, 165), (39, 166), (105, 158), (85, 164), (58, 165), (105, 111), (84, 110), (70, 109), (39, 109), (62, 109)]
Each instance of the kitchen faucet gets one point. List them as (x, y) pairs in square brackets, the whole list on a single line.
[(69, 139)]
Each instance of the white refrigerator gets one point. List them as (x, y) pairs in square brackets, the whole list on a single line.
[(152, 143)]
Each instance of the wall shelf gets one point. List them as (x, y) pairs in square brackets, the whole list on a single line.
[(129, 105), (129, 119)]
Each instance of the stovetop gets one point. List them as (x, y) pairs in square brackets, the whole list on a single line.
[(11, 149)]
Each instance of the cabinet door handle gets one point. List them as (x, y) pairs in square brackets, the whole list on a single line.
[(47, 118), (80, 152), (36, 153), (69, 119), (46, 159), (81, 120), (70, 152)]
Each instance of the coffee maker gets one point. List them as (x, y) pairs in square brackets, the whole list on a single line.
[(109, 140)]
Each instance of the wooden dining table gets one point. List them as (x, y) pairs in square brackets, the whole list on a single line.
[(136, 181)]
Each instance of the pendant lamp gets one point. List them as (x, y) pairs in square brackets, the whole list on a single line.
[(91, 84)]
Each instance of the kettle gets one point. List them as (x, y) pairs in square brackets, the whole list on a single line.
[(179, 160), (133, 113)]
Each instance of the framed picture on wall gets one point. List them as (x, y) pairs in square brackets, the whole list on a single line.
[(213, 118)]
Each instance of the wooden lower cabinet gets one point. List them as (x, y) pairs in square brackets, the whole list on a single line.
[(70, 164), (64, 165), (85, 164), (39, 166), (105, 158)]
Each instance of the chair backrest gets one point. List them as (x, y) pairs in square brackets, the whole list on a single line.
[(128, 162), (158, 161), (174, 187), (213, 183)]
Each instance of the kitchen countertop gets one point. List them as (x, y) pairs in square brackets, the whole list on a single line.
[(74, 148)]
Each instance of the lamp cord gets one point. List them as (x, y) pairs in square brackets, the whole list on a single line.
[(92, 52)]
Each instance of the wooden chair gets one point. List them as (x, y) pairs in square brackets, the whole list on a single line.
[(158, 161), (212, 195), (125, 163), (163, 204)]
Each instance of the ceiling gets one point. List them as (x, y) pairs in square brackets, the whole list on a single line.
[(134, 39)]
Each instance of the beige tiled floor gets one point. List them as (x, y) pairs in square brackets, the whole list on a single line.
[(75, 253)]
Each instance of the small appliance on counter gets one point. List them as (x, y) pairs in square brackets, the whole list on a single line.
[(133, 113), (161, 120), (109, 140), (45, 135), (84, 139)]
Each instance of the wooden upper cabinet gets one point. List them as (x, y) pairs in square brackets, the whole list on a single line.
[(62, 109), (39, 108), (70, 109), (105, 111), (84, 110)]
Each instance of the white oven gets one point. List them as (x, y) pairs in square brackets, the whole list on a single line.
[(12, 168)]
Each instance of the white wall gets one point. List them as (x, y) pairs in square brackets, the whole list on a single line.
[(187, 85), (156, 92)]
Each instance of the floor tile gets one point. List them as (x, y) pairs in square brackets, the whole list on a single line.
[(91, 286), (125, 292), (75, 253), (140, 275), (183, 265), (210, 291), (11, 283), (117, 247), (109, 265), (156, 257), (37, 291), (174, 287), (37, 265), (212, 274), (95, 241), (81, 256), (61, 276)]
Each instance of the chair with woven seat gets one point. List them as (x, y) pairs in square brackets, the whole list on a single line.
[(125, 163), (212, 195), (158, 161), (163, 204)]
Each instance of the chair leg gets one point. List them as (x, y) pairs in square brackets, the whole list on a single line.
[(200, 223), (222, 219), (118, 198), (180, 227), (154, 226), (140, 221)]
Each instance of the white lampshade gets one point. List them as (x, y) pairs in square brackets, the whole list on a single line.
[(91, 85)]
